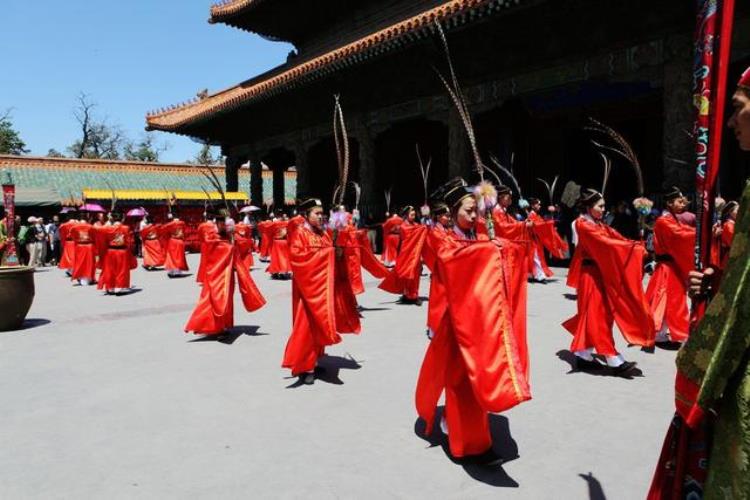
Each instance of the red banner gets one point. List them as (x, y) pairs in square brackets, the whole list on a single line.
[(9, 256)]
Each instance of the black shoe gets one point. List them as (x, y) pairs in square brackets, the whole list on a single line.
[(307, 378), (624, 368), (489, 457), (587, 365)]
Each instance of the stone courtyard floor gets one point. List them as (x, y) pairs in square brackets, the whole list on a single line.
[(106, 397)]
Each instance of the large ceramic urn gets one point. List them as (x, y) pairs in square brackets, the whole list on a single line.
[(16, 296)]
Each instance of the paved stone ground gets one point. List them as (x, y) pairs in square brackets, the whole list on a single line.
[(105, 397)]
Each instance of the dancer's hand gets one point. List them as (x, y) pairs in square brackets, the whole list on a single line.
[(700, 283)]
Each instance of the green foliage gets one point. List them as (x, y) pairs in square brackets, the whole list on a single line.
[(144, 150), (53, 153), (206, 157), (10, 140)]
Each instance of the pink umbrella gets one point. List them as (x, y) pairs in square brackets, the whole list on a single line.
[(249, 208), (92, 207), (137, 212)]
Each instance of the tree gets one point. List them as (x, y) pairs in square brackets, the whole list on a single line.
[(98, 139), (206, 157), (145, 150), (53, 153), (10, 140)]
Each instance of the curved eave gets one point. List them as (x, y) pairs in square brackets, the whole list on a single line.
[(451, 14)]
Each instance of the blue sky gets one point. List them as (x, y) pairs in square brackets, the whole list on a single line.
[(129, 56)]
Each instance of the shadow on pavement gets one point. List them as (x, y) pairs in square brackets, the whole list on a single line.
[(231, 335), (596, 492), (30, 323), (179, 276), (503, 445), (328, 369), (570, 296), (603, 371), (369, 309)]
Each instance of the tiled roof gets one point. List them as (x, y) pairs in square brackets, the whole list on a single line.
[(71, 177), (147, 194), (450, 13), (229, 8)]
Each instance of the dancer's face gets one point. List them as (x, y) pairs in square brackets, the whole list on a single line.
[(678, 205), (597, 210), (740, 119), (466, 217), (315, 217), (412, 216), (444, 219), (505, 200)]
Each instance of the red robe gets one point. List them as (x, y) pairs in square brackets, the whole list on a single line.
[(115, 246), (244, 243), (323, 304), (405, 276), (266, 238), (175, 259), (280, 249), (67, 258), (475, 355), (667, 290), (206, 232), (607, 272), (391, 239), (84, 265), (367, 257), (720, 246), (544, 235), (214, 312), (153, 250)]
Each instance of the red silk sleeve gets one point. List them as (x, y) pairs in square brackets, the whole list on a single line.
[(676, 240), (621, 264), (313, 274), (410, 255), (482, 324)]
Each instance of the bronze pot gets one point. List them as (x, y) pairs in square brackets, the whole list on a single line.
[(16, 296)]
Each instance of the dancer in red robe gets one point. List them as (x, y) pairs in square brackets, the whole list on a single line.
[(84, 264), (266, 239), (607, 272), (723, 237), (206, 231), (280, 267), (214, 312), (474, 357), (543, 235), (115, 245), (391, 239), (405, 277), (175, 262), (244, 243), (153, 250), (67, 257), (323, 304), (667, 289)]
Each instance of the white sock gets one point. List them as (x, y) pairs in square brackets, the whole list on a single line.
[(444, 425), (586, 354), (615, 361), (662, 335)]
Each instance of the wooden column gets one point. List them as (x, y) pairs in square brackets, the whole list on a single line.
[(278, 185), (232, 167), (303, 171), (256, 181)]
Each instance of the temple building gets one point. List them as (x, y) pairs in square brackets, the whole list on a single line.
[(532, 72)]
